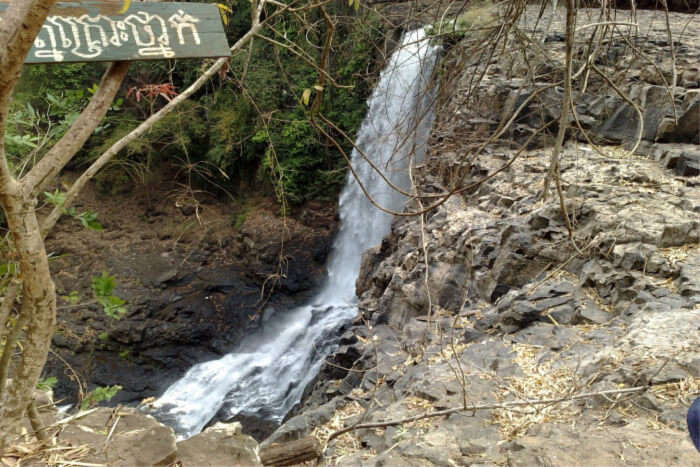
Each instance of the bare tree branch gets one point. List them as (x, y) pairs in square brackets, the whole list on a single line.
[(473, 408), (48, 223), (43, 173)]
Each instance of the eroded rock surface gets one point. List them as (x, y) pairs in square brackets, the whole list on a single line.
[(506, 309)]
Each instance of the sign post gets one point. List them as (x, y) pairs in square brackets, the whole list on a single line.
[(105, 31)]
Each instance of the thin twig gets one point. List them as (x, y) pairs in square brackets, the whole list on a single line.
[(472, 408)]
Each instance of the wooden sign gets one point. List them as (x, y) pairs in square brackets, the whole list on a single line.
[(106, 31)]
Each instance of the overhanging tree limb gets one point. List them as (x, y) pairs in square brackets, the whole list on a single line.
[(50, 221), (43, 173)]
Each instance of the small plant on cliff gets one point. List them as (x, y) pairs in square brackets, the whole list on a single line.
[(99, 394), (102, 287)]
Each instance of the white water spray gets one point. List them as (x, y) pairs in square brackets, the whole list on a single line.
[(267, 374)]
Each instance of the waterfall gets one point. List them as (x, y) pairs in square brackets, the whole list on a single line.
[(265, 376)]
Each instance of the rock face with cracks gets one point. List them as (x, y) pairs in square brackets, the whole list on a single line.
[(486, 301)]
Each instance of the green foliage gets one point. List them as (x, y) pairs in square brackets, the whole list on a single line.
[(103, 285), (46, 384), (267, 125), (56, 198), (102, 288), (87, 218), (99, 394), (8, 269), (252, 128), (183, 132), (45, 103)]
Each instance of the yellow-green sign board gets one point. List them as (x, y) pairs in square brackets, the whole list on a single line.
[(106, 31)]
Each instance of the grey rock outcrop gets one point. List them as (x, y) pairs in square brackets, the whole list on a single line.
[(505, 308), (128, 438), (136, 439), (219, 445)]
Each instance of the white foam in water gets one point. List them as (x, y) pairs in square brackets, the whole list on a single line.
[(267, 374)]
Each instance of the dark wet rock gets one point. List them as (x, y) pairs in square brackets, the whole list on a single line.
[(185, 305)]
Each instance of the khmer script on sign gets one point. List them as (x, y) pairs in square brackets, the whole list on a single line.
[(91, 31)]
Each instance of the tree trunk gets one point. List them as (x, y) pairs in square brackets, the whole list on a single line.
[(18, 28), (38, 306)]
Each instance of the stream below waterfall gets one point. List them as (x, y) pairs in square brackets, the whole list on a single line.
[(266, 375)]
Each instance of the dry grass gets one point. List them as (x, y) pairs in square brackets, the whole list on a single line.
[(345, 445), (28, 451), (679, 254), (680, 393), (539, 381)]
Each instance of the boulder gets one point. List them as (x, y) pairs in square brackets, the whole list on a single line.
[(121, 437), (219, 445)]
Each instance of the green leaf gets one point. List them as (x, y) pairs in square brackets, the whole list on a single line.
[(89, 220), (99, 394), (51, 98), (47, 383), (113, 306), (8, 269), (56, 198), (103, 285)]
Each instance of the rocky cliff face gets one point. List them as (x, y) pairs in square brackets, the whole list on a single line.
[(486, 300), (196, 278)]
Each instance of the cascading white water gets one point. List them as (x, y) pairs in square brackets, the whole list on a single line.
[(267, 374)]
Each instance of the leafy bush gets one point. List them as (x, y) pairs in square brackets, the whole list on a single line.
[(45, 103), (252, 129)]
